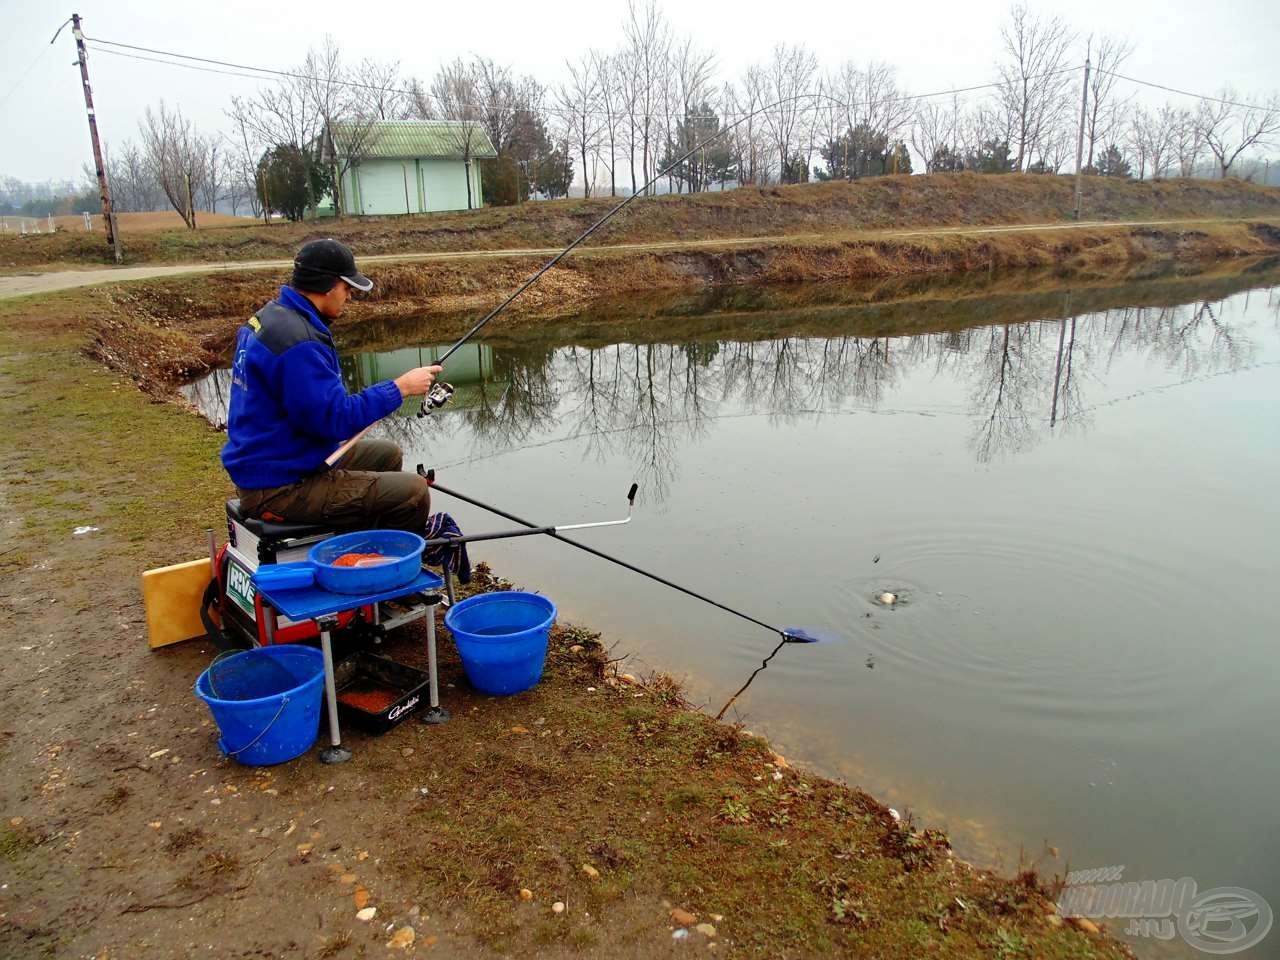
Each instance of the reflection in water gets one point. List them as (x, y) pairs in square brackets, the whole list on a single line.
[(1024, 382), (1086, 653)]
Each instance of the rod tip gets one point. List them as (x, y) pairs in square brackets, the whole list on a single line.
[(798, 635)]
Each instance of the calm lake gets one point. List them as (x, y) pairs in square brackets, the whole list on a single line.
[(1069, 484)]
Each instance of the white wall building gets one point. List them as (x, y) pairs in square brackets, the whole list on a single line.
[(410, 166)]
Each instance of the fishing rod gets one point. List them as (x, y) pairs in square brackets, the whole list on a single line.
[(788, 634), (530, 530)]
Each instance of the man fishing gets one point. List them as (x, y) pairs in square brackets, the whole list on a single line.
[(289, 411)]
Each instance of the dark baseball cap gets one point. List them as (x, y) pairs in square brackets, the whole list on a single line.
[(321, 263)]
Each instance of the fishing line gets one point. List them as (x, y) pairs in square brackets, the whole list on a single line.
[(27, 72), (764, 663)]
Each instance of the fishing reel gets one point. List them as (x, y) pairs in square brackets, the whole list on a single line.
[(436, 397)]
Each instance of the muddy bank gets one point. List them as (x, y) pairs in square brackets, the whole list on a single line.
[(164, 332), (892, 307)]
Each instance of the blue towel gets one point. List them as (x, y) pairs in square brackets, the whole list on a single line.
[(441, 525)]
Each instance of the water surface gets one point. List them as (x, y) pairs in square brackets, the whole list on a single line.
[(1070, 488)]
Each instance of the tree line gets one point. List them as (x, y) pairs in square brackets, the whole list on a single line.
[(620, 117)]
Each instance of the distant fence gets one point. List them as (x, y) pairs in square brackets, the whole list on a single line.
[(10, 224)]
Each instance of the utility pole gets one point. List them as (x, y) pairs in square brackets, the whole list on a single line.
[(104, 191), (1084, 108)]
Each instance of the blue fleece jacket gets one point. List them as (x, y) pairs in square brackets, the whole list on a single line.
[(289, 409)]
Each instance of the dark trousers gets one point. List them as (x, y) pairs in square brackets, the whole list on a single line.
[(365, 490)]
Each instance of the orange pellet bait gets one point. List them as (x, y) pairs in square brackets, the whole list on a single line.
[(360, 559), (369, 701)]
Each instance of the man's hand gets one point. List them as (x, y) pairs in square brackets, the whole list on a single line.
[(418, 381)]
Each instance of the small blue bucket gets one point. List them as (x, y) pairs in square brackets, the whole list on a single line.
[(403, 550), (502, 638), (266, 702)]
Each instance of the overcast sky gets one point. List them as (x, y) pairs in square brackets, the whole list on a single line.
[(934, 43)]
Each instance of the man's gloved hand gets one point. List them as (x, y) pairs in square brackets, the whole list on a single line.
[(416, 382)]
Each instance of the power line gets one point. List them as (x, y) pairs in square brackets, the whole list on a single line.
[(1184, 93), (171, 63), (545, 109)]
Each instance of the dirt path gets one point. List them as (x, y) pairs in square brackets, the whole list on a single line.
[(25, 284)]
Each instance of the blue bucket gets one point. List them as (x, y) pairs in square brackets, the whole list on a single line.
[(266, 702), (502, 638)]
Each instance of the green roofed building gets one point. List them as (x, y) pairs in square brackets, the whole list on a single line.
[(392, 167)]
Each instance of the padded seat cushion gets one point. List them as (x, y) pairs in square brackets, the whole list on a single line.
[(275, 530)]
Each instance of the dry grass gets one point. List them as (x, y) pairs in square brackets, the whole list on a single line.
[(164, 331), (825, 209), (134, 223)]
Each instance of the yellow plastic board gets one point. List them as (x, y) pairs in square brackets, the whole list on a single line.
[(172, 597)]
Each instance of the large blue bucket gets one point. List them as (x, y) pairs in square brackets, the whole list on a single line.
[(266, 702), (502, 638)]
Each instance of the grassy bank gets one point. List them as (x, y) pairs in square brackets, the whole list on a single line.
[(837, 208), (163, 331), (128, 836)]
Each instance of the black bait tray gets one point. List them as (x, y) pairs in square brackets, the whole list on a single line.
[(376, 693)]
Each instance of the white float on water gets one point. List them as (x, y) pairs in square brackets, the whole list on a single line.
[(888, 599)]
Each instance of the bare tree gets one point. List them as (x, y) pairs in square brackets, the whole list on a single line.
[(788, 77), (1138, 138), (1057, 147), (240, 173), (1229, 127), (579, 99), (134, 187), (648, 40), (1105, 110), (496, 98), (751, 141), (456, 95), (246, 164), (1033, 79), (1187, 142), (177, 156), (612, 97), (511, 109), (628, 94), (872, 98), (382, 91), (346, 113), (935, 130), (420, 105), (1153, 137), (302, 109), (215, 178), (693, 72)]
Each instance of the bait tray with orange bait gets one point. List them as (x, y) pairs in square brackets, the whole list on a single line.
[(376, 693)]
